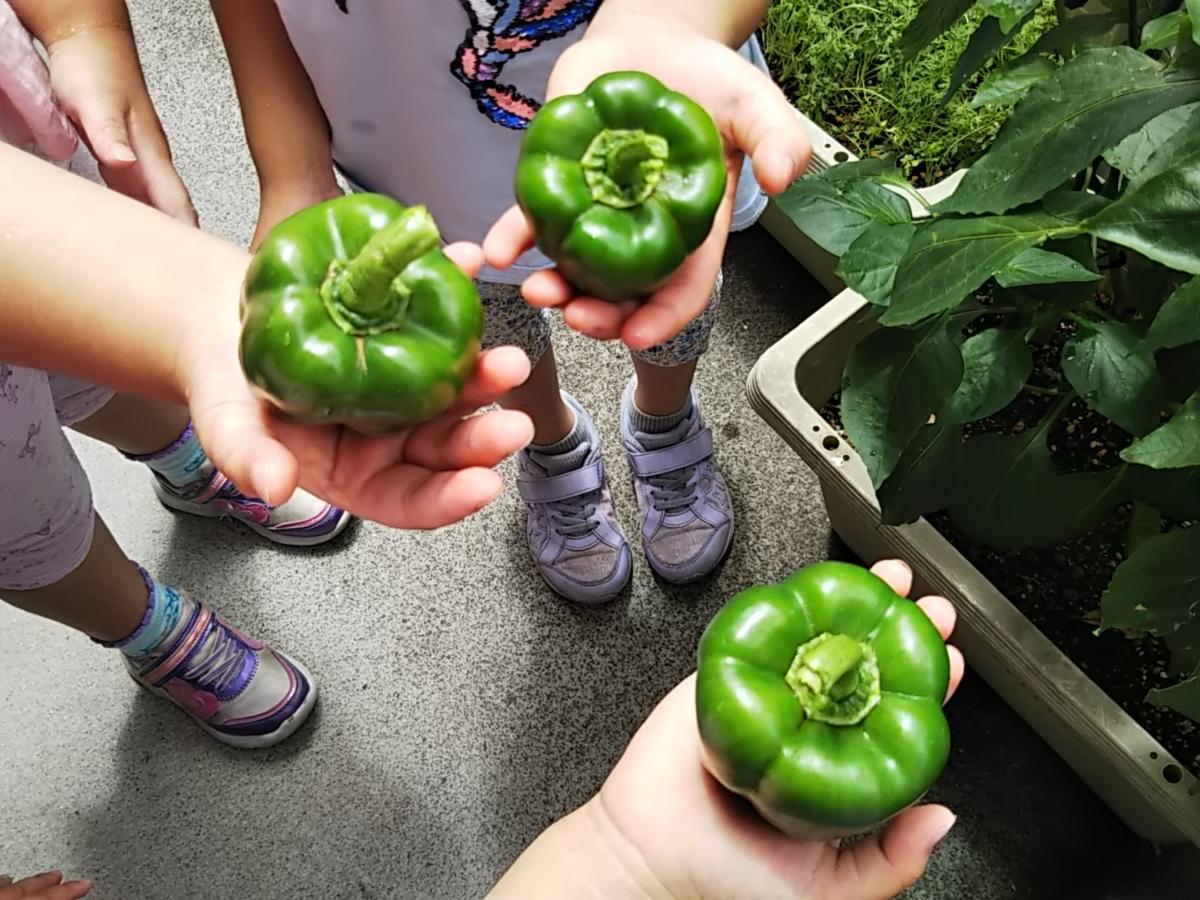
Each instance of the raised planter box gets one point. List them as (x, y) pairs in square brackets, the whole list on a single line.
[(1139, 780)]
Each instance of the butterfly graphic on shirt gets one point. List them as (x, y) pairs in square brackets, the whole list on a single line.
[(500, 30)]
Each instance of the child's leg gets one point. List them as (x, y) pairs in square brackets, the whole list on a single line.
[(574, 537), (160, 435), (58, 560), (684, 506)]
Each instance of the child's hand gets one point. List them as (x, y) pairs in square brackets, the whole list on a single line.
[(753, 117), (47, 886), (424, 477), (98, 80), (661, 826)]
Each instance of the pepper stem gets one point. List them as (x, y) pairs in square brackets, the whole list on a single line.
[(835, 678), (366, 295), (624, 167)]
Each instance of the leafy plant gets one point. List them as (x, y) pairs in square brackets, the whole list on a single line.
[(1074, 239), (840, 64)]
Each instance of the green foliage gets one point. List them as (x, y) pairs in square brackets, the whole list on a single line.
[(840, 65), (1079, 223)]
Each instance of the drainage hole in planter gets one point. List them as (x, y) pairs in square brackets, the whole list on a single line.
[(1173, 774), (1154, 754), (846, 458), (831, 442), (841, 156), (816, 428)]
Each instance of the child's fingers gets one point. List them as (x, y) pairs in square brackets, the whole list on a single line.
[(896, 573), (497, 371), (669, 310), (411, 497), (446, 444), (765, 127), (546, 288), (466, 256), (104, 122), (508, 239), (68, 890), (28, 886), (598, 319)]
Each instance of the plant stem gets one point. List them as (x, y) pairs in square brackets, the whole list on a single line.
[(1040, 391), (1060, 11)]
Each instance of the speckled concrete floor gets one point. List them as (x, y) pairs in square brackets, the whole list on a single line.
[(464, 708)]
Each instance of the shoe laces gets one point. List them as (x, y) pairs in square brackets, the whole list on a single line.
[(674, 491), (220, 660), (575, 517)]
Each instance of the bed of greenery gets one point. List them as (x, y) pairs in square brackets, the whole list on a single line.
[(841, 63)]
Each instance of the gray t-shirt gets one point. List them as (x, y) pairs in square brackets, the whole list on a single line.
[(427, 99)]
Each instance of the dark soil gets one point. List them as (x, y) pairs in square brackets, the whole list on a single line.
[(1059, 587)]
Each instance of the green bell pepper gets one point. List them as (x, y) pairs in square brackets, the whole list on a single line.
[(819, 699), (620, 183), (352, 314)]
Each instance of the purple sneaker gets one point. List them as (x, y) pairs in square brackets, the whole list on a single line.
[(303, 521), (574, 538), (684, 507), (238, 690)]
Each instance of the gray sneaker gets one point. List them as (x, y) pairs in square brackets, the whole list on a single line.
[(684, 508), (574, 538)]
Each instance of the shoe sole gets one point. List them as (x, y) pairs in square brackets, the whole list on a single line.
[(176, 504), (249, 741)]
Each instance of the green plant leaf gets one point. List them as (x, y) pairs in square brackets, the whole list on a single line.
[(985, 42), (1014, 498), (1145, 522), (894, 380), (949, 258), (1185, 646), (1193, 8), (930, 21), (834, 213), (1115, 374), (1174, 445), (996, 363), (1157, 588), (1178, 321), (869, 168), (1163, 32), (1183, 697), (1081, 31), (869, 266), (1134, 152), (926, 476), (1010, 83), (1065, 122), (1009, 12), (1036, 266), (1159, 218), (1172, 148), (1173, 492)]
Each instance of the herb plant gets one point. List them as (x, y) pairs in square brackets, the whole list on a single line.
[(840, 64), (1079, 229)]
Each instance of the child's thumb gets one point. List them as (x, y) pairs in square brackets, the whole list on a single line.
[(108, 135)]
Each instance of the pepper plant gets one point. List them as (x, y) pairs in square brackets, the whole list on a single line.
[(1081, 221)]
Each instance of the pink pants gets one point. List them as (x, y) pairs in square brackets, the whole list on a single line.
[(46, 515)]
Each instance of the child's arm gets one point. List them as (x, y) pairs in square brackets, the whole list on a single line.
[(102, 288), (285, 125), (98, 81), (731, 23)]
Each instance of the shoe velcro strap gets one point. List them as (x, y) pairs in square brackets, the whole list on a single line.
[(575, 483), (186, 645), (695, 449)]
